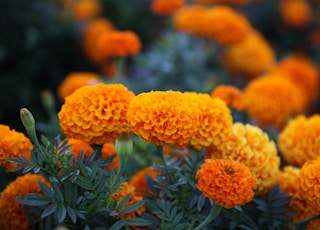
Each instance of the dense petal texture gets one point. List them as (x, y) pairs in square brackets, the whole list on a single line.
[(96, 113), (164, 117), (230, 94), (299, 141), (226, 182), (13, 143)]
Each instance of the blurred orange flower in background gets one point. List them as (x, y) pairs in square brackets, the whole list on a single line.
[(74, 81), (226, 182), (12, 215), (250, 146), (108, 149), (166, 7), (230, 94), (271, 100), (96, 113), (84, 9), (12, 144), (299, 141), (288, 179)]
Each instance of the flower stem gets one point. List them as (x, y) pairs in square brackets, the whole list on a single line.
[(215, 210), (124, 148)]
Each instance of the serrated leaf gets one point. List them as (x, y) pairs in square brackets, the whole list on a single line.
[(139, 222), (49, 210)]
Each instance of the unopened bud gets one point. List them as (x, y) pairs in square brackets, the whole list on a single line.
[(27, 118)]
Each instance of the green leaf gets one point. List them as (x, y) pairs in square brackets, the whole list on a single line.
[(139, 222), (46, 190), (49, 210), (133, 207), (117, 225), (201, 202), (33, 199), (62, 212), (123, 202), (56, 191), (72, 214)]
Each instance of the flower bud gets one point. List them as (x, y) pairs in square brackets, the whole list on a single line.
[(27, 118)]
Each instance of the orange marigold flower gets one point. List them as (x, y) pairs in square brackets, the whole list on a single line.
[(12, 144), (139, 180), (308, 179), (302, 211), (91, 36), (188, 19), (12, 215), (119, 43), (299, 141), (251, 57), (235, 2), (74, 81), (79, 146), (250, 146), (85, 9), (215, 120), (288, 179), (225, 25), (124, 190), (231, 95), (164, 117), (303, 72), (226, 182), (272, 99), (166, 7), (96, 113), (295, 13), (107, 150)]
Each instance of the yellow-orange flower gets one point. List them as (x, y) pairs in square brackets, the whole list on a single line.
[(188, 19), (96, 113), (226, 182), (164, 117), (124, 190), (74, 81), (13, 143), (215, 120), (288, 179), (166, 7), (225, 25), (250, 146), (107, 150), (231, 95), (303, 72), (85, 9), (251, 57), (117, 43), (91, 36), (295, 13), (12, 215), (309, 188), (299, 141), (79, 146), (139, 180), (272, 99)]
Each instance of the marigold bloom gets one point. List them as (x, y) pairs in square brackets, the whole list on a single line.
[(299, 141), (79, 146), (188, 19), (302, 211), (272, 99), (85, 9), (215, 120), (74, 81), (302, 72), (225, 25), (226, 182), (13, 143), (166, 7), (119, 195), (309, 183), (231, 95), (119, 43), (139, 180), (250, 146), (251, 57), (295, 13), (12, 215), (91, 36), (164, 117), (108, 149), (96, 113), (288, 179)]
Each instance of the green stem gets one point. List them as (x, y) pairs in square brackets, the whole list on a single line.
[(124, 148), (215, 210)]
